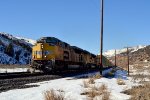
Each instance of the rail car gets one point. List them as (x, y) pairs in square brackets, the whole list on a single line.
[(52, 54)]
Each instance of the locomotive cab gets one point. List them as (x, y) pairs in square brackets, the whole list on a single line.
[(43, 54)]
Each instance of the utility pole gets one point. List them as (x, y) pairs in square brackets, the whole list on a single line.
[(115, 59), (101, 37), (128, 59)]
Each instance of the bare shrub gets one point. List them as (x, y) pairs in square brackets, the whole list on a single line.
[(97, 76), (94, 77), (93, 92), (141, 92), (106, 95), (103, 87), (91, 80), (120, 81), (51, 95), (99, 92), (110, 74)]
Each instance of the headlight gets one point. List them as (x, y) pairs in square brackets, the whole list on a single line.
[(42, 46)]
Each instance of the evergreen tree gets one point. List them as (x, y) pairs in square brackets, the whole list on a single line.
[(9, 50)]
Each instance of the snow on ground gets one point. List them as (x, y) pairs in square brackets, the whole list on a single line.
[(11, 70), (72, 87)]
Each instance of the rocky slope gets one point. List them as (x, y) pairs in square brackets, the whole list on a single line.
[(138, 57), (14, 50)]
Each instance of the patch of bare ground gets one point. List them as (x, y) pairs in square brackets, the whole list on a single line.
[(139, 78), (52, 95), (141, 92)]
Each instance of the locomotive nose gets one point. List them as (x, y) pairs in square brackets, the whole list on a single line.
[(43, 51)]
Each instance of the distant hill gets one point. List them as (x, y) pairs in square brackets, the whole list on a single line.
[(111, 53), (139, 56), (14, 50)]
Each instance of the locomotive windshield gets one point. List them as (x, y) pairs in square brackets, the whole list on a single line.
[(50, 40)]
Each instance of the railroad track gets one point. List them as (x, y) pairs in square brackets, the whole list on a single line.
[(18, 75), (11, 81), (14, 81), (20, 82)]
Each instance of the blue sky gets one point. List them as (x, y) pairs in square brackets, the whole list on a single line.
[(126, 22)]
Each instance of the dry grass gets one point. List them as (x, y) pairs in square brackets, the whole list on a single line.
[(106, 95), (110, 74), (93, 91), (97, 76), (51, 95), (103, 87), (141, 92), (138, 78), (98, 92), (120, 81), (91, 80)]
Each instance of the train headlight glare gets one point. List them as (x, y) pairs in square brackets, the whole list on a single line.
[(41, 46)]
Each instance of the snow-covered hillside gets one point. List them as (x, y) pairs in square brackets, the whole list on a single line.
[(14, 50), (27, 40), (111, 53)]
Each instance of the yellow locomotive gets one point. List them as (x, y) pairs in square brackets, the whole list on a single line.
[(52, 54)]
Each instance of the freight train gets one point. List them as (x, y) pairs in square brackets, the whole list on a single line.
[(51, 54)]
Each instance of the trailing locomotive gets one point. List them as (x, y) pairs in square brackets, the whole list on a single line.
[(52, 54)]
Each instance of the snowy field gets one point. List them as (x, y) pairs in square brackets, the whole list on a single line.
[(11, 70), (73, 87)]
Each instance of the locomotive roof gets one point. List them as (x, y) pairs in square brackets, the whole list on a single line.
[(46, 38), (52, 38), (77, 49)]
